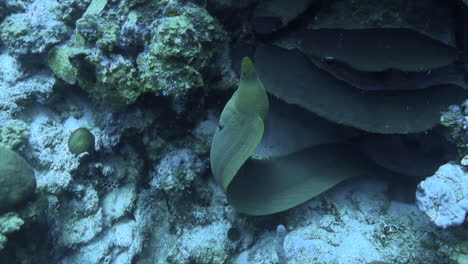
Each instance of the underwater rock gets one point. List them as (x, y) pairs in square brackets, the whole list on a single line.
[(17, 181), (85, 202), (444, 196), (76, 220), (380, 112)]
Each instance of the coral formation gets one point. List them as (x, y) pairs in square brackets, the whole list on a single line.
[(442, 196), (8, 223), (36, 30), (17, 181), (14, 134), (80, 141), (456, 120), (387, 112), (176, 171), (190, 36), (20, 89), (177, 49)]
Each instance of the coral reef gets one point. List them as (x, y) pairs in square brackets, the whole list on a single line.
[(356, 87)]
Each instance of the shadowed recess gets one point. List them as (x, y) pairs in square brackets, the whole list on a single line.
[(414, 155)]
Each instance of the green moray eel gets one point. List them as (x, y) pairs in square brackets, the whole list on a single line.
[(262, 187), (240, 127)]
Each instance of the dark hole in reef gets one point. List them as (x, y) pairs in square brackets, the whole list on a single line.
[(73, 16), (86, 70), (233, 234), (32, 240), (33, 61)]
